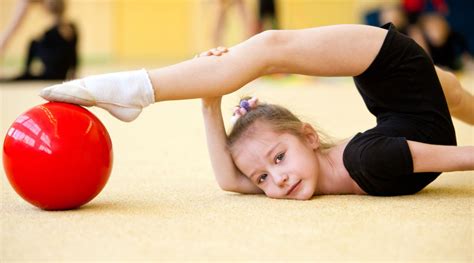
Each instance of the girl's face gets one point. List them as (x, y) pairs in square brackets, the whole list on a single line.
[(281, 164)]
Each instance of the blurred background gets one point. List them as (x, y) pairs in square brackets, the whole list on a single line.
[(124, 33)]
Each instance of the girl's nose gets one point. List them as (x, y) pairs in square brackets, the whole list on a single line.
[(280, 178)]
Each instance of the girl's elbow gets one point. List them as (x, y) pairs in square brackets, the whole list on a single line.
[(235, 188), (226, 186)]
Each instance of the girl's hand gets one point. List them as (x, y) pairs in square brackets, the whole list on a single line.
[(218, 51)]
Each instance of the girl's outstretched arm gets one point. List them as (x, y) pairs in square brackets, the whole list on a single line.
[(441, 158), (227, 175)]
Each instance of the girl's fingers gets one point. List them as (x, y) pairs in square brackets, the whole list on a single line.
[(222, 49), (218, 51)]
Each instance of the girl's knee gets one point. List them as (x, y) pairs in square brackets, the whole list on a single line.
[(274, 39), (272, 45)]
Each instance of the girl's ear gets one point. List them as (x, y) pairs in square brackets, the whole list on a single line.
[(310, 136)]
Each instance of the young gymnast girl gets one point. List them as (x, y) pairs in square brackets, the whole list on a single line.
[(269, 150)]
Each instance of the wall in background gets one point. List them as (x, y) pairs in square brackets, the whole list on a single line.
[(167, 29)]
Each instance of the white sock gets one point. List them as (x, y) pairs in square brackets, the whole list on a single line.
[(123, 94)]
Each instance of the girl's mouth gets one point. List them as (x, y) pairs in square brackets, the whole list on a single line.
[(292, 189)]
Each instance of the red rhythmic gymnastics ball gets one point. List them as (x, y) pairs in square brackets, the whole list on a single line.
[(57, 156)]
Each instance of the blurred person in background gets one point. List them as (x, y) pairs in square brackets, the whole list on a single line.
[(56, 49), (447, 48), (267, 17), (223, 8), (426, 23), (415, 8)]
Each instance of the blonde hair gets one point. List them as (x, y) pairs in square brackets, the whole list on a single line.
[(278, 117)]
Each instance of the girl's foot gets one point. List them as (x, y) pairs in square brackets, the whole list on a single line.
[(123, 94)]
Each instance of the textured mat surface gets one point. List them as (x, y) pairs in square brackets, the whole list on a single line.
[(162, 202)]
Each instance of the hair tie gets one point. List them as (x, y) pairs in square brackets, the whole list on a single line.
[(245, 104), (243, 107)]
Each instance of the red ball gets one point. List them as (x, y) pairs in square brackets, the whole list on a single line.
[(57, 156)]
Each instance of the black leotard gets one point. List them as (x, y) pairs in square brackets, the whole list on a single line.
[(402, 90)]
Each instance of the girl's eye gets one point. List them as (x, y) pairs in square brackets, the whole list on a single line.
[(262, 178), (279, 157)]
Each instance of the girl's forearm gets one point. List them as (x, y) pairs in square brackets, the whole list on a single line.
[(227, 174), (441, 158), (467, 158)]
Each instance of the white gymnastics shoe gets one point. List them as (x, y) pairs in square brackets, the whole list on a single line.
[(123, 94)]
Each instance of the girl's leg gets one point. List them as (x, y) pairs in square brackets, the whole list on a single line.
[(212, 75), (460, 101), (343, 50), (125, 94)]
